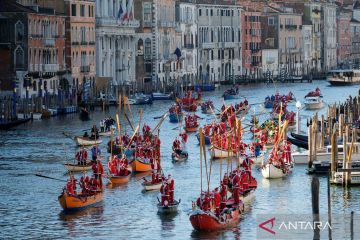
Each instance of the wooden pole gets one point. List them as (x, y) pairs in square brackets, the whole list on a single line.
[(322, 132), (315, 185), (345, 154), (352, 226), (329, 204), (310, 140), (201, 142)]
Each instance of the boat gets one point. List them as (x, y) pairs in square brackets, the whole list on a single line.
[(191, 129), (339, 177), (268, 103), (175, 118), (190, 108), (299, 143), (161, 96), (344, 77), (86, 141), (148, 186), (258, 160), (207, 221), (140, 166), (179, 157), (205, 87), (79, 202), (313, 103), (207, 107), (270, 171), (7, 124), (84, 114), (206, 138), (140, 99), (114, 179), (169, 208), (72, 167), (191, 123), (216, 152)]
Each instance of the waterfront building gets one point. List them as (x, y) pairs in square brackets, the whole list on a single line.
[(157, 39), (355, 36), (307, 48), (185, 14), (329, 51), (344, 38), (251, 43), (270, 62), (115, 45), (220, 41)]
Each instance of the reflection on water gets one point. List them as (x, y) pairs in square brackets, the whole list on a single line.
[(29, 205)]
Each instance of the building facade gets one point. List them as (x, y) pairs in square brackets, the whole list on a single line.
[(251, 43), (329, 36), (307, 48), (220, 41), (115, 45), (343, 39)]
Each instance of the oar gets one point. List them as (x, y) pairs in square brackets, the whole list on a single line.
[(39, 175), (127, 118)]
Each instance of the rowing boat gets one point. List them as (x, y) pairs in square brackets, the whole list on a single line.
[(270, 171), (86, 141), (139, 166), (169, 208), (217, 152), (119, 179), (71, 167), (191, 129), (148, 186), (79, 202)]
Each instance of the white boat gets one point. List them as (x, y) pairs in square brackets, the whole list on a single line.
[(85, 141), (339, 178), (216, 153), (269, 171), (78, 168), (312, 103), (170, 208), (344, 77), (257, 160), (148, 186)]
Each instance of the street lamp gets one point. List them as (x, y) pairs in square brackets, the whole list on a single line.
[(298, 107)]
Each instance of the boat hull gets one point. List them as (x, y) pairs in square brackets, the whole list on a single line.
[(314, 106), (152, 187), (202, 221), (81, 141), (77, 168), (183, 157), (168, 209), (217, 153), (230, 97), (139, 166), (269, 171), (191, 129), (119, 179), (71, 203)]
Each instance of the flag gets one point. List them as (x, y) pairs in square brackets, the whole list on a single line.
[(122, 10), (129, 14)]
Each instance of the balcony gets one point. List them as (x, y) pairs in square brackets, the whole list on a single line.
[(230, 44), (116, 22), (290, 27), (36, 35), (74, 43), (85, 69), (49, 42), (207, 45), (50, 67), (91, 43), (83, 43), (189, 46)]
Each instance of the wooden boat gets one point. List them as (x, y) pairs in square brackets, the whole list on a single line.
[(191, 129), (139, 166), (207, 221), (168, 209), (190, 108), (270, 171), (5, 125), (71, 167), (257, 160), (175, 118), (217, 152), (79, 202), (179, 158), (206, 138), (119, 179), (148, 186), (86, 141)]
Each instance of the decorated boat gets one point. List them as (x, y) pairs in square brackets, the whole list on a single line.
[(191, 123), (87, 141), (207, 107)]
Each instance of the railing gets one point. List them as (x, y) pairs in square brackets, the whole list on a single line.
[(36, 35), (49, 42), (113, 21), (290, 26), (91, 43), (75, 43), (85, 69), (50, 67), (83, 43)]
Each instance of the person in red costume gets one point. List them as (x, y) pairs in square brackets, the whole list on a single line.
[(162, 191), (206, 203), (171, 184), (223, 195), (167, 195), (217, 200), (236, 189)]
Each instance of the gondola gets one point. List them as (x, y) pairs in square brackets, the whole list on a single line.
[(169, 208), (183, 156), (5, 125), (84, 114), (298, 142)]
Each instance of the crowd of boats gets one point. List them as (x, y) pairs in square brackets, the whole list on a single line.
[(225, 137)]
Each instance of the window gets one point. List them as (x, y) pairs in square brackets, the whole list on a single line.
[(19, 57), (290, 42), (199, 12), (73, 10), (147, 48), (82, 11), (19, 31), (147, 12), (89, 11), (211, 12), (271, 21)]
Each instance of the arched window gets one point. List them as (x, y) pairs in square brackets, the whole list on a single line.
[(19, 31), (19, 57)]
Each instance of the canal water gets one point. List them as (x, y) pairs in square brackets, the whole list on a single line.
[(29, 205)]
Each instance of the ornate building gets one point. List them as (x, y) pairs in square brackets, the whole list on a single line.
[(115, 44)]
